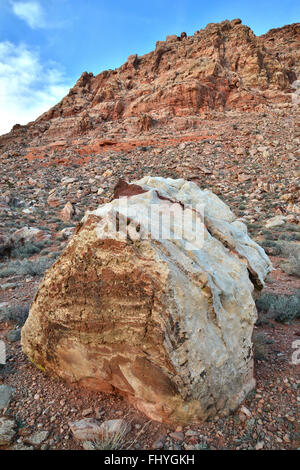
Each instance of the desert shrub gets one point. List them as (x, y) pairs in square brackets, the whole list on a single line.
[(25, 251), (271, 247), (288, 248), (54, 220), (260, 348), (269, 235), (287, 228), (292, 265), (15, 313), (283, 248), (114, 441), (55, 254), (26, 267), (10, 270), (283, 308), (29, 249), (293, 236), (253, 226)]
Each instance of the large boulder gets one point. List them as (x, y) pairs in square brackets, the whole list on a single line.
[(165, 320)]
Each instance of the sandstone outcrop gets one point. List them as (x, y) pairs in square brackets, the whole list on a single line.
[(164, 321), (221, 67)]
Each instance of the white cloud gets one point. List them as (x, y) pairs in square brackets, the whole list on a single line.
[(31, 12), (28, 87)]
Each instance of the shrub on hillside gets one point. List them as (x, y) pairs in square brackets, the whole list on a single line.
[(283, 308)]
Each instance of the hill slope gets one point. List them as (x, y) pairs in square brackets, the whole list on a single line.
[(222, 67)]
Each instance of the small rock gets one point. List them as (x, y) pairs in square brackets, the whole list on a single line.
[(87, 429), (275, 221), (37, 438), (177, 436), (21, 446), (67, 212), (159, 443), (87, 412), (7, 431), (190, 432), (259, 445), (244, 412), (67, 232), (67, 180), (6, 393)]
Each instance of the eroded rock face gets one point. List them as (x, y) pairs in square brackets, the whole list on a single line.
[(167, 323), (221, 67)]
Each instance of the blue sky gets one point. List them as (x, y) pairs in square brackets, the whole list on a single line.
[(45, 45)]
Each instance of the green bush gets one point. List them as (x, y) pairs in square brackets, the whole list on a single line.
[(294, 236), (24, 268), (282, 308), (25, 251), (15, 313), (271, 247), (260, 348), (292, 266), (29, 249)]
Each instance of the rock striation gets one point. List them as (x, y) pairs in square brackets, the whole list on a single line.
[(164, 321)]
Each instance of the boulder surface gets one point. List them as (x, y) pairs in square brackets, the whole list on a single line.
[(163, 318)]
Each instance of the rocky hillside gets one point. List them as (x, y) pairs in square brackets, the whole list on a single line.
[(222, 67), (214, 109)]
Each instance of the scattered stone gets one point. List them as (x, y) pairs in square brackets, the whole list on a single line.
[(67, 212), (160, 442), (28, 234), (87, 429), (67, 232), (190, 433), (37, 438), (21, 446), (259, 445), (68, 180), (87, 412), (276, 221), (7, 431), (90, 429), (6, 393), (245, 412), (177, 436)]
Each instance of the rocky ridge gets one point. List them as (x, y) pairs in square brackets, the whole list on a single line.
[(222, 67)]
